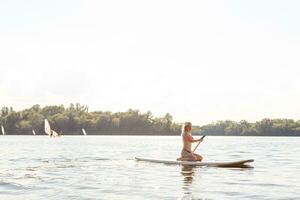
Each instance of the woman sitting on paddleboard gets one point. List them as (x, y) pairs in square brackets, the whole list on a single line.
[(187, 139)]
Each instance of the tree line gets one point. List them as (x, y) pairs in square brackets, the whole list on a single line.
[(70, 121), (265, 127)]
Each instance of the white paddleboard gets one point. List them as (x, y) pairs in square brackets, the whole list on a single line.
[(241, 163)]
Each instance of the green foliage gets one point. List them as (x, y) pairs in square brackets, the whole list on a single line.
[(72, 119), (265, 127)]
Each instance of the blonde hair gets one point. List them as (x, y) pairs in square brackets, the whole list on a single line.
[(184, 127)]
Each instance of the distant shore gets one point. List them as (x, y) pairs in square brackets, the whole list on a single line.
[(73, 119), (166, 135)]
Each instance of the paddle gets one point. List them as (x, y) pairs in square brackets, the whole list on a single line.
[(199, 143)]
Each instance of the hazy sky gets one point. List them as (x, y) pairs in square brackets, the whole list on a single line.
[(201, 61)]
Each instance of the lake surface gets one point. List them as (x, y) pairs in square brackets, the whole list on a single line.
[(102, 167)]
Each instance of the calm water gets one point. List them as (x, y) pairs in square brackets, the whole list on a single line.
[(102, 167)]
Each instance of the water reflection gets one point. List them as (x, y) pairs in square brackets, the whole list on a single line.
[(188, 173)]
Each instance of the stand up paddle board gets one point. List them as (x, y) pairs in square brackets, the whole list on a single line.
[(239, 164)]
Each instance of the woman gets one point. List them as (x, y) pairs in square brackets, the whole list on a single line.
[(187, 139)]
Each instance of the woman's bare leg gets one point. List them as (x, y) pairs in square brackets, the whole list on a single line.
[(190, 157), (198, 157)]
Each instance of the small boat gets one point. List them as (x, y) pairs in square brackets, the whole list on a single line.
[(49, 131), (2, 130), (232, 164), (83, 131)]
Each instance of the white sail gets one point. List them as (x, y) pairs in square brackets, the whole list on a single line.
[(33, 132), (2, 130), (83, 131), (47, 127)]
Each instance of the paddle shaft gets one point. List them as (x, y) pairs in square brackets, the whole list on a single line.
[(198, 143)]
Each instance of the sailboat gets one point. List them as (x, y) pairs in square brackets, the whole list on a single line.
[(33, 132), (2, 130), (48, 130), (83, 131)]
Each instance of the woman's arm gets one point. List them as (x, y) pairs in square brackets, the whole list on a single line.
[(198, 140), (192, 140)]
